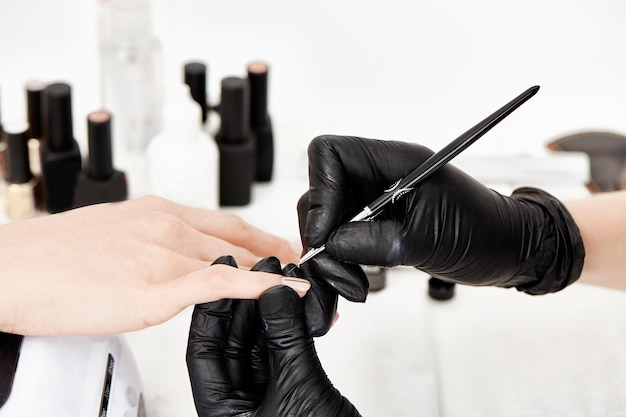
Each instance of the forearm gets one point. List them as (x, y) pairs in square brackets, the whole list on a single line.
[(602, 223)]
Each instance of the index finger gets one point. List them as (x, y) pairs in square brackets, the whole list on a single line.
[(347, 173), (228, 227)]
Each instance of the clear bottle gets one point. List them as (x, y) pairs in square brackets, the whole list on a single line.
[(183, 160), (131, 72)]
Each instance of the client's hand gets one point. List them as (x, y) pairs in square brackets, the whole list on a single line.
[(255, 359), (112, 268)]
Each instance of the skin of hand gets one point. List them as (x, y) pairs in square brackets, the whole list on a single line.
[(118, 267), (255, 358), (602, 222), (450, 225)]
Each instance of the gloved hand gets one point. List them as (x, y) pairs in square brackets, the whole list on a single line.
[(252, 358), (450, 226), (328, 278)]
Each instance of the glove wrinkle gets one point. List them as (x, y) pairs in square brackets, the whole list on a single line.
[(348, 280), (300, 386), (236, 369), (559, 263)]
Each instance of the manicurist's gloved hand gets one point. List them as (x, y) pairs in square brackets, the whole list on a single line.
[(450, 226), (255, 358)]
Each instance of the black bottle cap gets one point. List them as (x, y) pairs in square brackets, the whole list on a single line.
[(196, 79), (257, 75), (0, 118), (234, 110), (58, 129), (18, 166), (34, 107), (440, 290), (100, 157)]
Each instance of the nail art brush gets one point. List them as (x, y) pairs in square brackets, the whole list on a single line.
[(432, 164)]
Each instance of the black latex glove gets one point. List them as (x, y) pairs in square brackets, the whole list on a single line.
[(450, 226), (255, 359), (328, 278)]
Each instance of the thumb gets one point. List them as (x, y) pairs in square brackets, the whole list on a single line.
[(293, 362), (282, 312), (298, 385), (377, 242), (208, 336)]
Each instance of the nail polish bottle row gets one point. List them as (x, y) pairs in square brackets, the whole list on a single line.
[(44, 168), (245, 136), (67, 184)]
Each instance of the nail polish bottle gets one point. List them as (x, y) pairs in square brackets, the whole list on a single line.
[(195, 76), (235, 143), (3, 148), (260, 121), (376, 276), (20, 197), (3, 172), (60, 154), (440, 290), (99, 182), (34, 110), (3, 152), (183, 160), (3, 155)]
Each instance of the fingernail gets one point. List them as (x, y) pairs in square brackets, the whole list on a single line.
[(301, 286)]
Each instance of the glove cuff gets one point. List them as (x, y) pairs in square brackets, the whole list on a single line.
[(559, 259)]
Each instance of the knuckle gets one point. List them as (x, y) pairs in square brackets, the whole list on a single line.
[(164, 226), (237, 225), (153, 202)]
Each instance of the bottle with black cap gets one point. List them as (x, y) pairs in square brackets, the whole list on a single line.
[(100, 182), (3, 148), (195, 76), (235, 143), (440, 290), (21, 202), (260, 121), (60, 154), (34, 111), (3, 171), (376, 277)]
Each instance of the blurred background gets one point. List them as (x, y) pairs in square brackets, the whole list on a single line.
[(411, 70)]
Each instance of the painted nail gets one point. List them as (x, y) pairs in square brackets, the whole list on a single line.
[(301, 286)]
